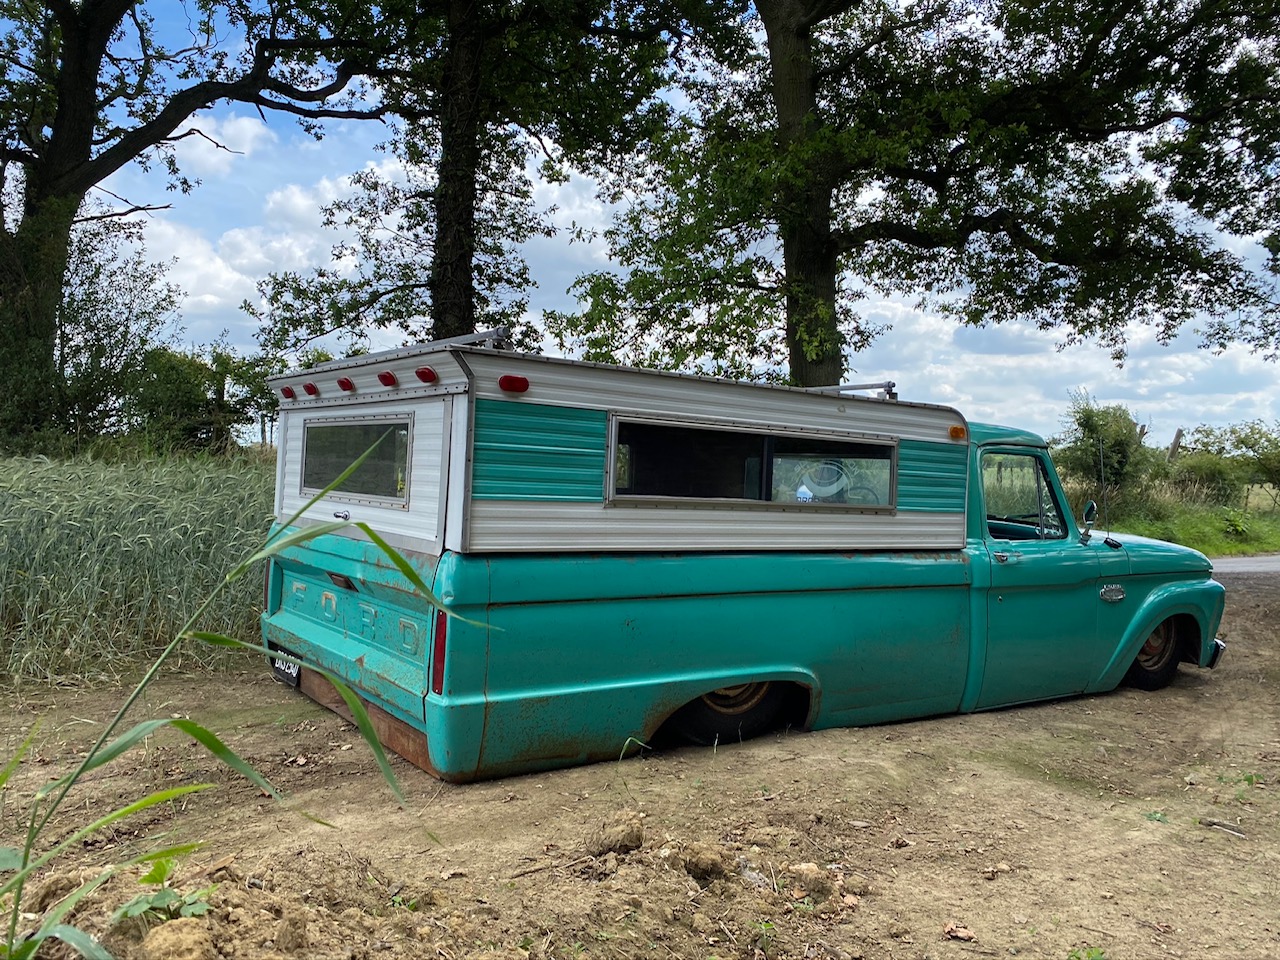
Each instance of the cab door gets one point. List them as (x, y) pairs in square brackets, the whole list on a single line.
[(1042, 603)]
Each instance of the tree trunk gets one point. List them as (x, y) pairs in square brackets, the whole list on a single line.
[(809, 256), (33, 262), (452, 280)]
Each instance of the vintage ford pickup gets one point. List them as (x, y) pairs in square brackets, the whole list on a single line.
[(619, 553)]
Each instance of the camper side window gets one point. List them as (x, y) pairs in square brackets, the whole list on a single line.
[(330, 447), (667, 460)]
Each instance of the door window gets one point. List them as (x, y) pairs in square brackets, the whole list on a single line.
[(1019, 499)]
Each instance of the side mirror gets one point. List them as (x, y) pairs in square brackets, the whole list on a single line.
[(1090, 516)]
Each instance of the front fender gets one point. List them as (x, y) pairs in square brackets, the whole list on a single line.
[(1202, 600)]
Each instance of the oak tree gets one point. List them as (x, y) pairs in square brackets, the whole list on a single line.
[(508, 92), (88, 86), (1079, 167)]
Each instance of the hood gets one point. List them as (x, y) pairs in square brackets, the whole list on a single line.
[(1147, 555)]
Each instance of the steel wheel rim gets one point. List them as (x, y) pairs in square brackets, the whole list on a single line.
[(1158, 649), (738, 699)]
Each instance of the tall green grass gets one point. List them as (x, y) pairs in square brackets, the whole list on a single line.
[(100, 561), (1191, 514)]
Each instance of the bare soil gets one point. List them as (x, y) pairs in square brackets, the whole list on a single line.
[(1139, 825)]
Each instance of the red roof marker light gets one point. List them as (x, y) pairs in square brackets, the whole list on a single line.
[(426, 375), (311, 389), (287, 392), (387, 378), (346, 384), (510, 383)]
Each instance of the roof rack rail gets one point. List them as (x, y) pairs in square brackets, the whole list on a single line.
[(499, 338), (888, 389)]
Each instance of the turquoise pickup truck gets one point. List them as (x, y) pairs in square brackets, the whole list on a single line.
[(618, 555)]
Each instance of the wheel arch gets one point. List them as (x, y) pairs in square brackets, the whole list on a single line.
[(803, 693), (1194, 613)]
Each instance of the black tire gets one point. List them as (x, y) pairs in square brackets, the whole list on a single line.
[(1157, 660), (730, 713)]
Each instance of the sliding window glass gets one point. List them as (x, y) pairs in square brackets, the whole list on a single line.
[(669, 460)]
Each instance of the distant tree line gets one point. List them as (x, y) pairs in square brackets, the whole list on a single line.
[(1104, 453)]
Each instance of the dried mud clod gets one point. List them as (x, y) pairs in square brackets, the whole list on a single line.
[(703, 862), (187, 938), (620, 832), (291, 932), (814, 882)]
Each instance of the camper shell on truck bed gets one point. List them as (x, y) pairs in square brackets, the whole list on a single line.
[(617, 551)]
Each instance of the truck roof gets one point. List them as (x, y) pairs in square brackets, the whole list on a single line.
[(994, 433)]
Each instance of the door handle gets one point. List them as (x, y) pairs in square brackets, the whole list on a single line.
[(1001, 557)]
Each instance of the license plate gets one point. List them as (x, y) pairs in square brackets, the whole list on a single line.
[(285, 671)]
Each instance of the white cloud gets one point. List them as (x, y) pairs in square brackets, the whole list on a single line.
[(215, 142)]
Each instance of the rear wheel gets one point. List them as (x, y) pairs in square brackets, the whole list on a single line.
[(739, 712), (1157, 661)]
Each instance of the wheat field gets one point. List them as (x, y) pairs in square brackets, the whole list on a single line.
[(101, 562)]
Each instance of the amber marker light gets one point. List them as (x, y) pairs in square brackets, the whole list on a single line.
[(959, 433)]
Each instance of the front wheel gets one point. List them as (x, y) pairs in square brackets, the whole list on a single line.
[(731, 713), (1157, 661)]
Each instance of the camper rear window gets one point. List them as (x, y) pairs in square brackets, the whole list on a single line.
[(329, 448), (666, 460)]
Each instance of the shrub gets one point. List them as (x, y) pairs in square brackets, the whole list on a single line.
[(1208, 478)]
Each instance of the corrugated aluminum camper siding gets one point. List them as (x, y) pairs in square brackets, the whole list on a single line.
[(645, 392), (557, 503)]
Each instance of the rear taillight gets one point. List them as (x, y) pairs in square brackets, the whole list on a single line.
[(437, 653)]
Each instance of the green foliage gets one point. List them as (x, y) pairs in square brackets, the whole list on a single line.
[(1252, 447), (434, 233), (116, 305), (163, 902), (194, 401), (97, 559), (379, 279), (87, 88), (1198, 501), (1204, 528), (1103, 445), (1011, 161), (1235, 522), (1087, 953), (1209, 477)]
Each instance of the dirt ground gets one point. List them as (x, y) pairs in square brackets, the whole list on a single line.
[(1127, 826)]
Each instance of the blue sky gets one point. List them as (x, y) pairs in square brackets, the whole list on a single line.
[(257, 210)]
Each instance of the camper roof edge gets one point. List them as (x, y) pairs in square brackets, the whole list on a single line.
[(484, 343), (497, 338)]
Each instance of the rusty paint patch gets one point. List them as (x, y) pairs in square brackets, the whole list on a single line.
[(393, 733)]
